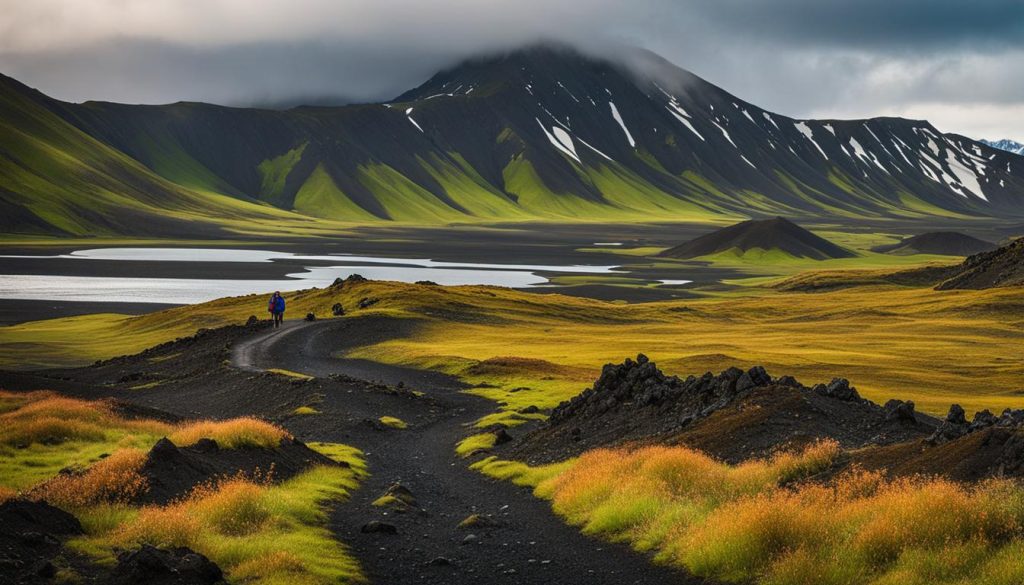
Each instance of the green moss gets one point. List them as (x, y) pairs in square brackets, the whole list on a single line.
[(274, 173), (474, 443), (393, 422)]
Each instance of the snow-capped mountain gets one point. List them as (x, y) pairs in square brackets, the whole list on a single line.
[(1007, 145), (549, 133)]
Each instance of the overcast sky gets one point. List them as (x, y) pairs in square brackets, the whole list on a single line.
[(959, 64)]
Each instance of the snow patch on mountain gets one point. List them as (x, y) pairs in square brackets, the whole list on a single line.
[(561, 140), (618, 118), (408, 111), (806, 131)]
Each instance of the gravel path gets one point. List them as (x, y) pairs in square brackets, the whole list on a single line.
[(531, 544)]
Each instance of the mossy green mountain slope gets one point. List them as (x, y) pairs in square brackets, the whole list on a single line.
[(57, 180), (543, 133)]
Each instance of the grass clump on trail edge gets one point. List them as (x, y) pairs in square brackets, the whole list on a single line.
[(256, 532), (762, 522), (393, 422), (475, 443)]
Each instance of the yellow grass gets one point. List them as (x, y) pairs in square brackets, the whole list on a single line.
[(934, 347), (231, 434), (751, 523)]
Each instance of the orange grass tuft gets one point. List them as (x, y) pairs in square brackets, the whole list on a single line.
[(114, 480), (7, 494), (757, 522), (48, 418), (231, 434)]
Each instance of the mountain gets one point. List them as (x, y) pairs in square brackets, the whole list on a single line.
[(998, 268), (56, 179), (778, 234), (1007, 145), (540, 133), (945, 243)]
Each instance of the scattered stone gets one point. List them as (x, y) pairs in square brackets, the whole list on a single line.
[(378, 527), (532, 409), (398, 498), (310, 317), (953, 427), (898, 410), (337, 310), (365, 303), (152, 566), (252, 321), (838, 388), (439, 562), (501, 436), (478, 521), (470, 539)]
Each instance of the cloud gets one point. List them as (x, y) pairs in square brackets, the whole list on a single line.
[(958, 62)]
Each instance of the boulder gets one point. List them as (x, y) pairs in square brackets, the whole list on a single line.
[(337, 310), (252, 321), (899, 410), (310, 317), (838, 388), (152, 566), (953, 427)]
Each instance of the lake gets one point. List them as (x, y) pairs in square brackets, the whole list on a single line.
[(321, 272)]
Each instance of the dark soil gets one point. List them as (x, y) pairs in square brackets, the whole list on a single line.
[(998, 268), (220, 373), (31, 543), (766, 234), (944, 243), (733, 416), (992, 452), (172, 472)]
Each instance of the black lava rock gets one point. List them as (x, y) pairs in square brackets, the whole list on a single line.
[(152, 566)]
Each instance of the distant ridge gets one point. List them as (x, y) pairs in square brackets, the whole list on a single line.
[(1007, 145), (998, 268), (944, 243), (765, 234)]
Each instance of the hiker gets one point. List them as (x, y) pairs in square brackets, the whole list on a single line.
[(276, 308)]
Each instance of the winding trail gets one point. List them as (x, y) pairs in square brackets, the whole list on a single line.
[(531, 545)]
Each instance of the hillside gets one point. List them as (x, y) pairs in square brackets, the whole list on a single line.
[(998, 268), (56, 179), (539, 133), (777, 234), (944, 243)]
